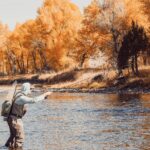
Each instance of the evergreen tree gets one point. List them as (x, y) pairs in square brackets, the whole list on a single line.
[(134, 43)]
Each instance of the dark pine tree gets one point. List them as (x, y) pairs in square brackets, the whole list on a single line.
[(134, 43)]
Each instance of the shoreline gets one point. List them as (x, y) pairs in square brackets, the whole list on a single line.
[(79, 81), (101, 91), (108, 90)]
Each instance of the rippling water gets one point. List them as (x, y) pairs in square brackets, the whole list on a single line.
[(77, 121)]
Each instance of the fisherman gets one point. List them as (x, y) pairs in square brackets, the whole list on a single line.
[(18, 110)]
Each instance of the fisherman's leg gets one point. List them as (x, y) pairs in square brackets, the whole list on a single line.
[(11, 138), (19, 138)]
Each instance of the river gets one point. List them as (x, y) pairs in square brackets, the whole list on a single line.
[(79, 121)]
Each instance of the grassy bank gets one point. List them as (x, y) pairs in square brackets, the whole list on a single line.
[(85, 80)]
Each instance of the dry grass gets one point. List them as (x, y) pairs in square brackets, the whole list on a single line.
[(97, 85), (83, 79), (145, 72), (63, 77)]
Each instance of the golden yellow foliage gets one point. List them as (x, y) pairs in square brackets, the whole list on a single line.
[(60, 31), (61, 21), (105, 24), (42, 44), (4, 33)]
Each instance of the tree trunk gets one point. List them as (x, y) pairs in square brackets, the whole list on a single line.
[(27, 63), (12, 64), (35, 69), (120, 73), (43, 60), (83, 56), (19, 66), (132, 65), (145, 60), (136, 65), (10, 70), (22, 64)]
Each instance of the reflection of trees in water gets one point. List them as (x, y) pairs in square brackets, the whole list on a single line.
[(146, 133), (137, 118), (146, 100), (131, 99), (114, 116), (128, 97)]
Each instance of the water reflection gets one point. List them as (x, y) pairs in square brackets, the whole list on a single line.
[(69, 121), (16, 148)]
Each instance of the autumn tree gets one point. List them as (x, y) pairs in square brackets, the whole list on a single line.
[(4, 33), (58, 21), (17, 53), (115, 19), (146, 6), (103, 26), (134, 43), (42, 44), (89, 40)]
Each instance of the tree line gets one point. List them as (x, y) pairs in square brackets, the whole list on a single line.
[(62, 37)]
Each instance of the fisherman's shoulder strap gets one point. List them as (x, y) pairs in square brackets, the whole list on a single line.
[(16, 96)]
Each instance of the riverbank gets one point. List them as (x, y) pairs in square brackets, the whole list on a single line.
[(87, 80)]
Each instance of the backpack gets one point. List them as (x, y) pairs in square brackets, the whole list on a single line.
[(7, 106)]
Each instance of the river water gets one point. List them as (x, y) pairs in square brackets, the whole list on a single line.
[(78, 121)]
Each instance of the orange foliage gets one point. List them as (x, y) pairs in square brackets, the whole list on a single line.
[(42, 44), (61, 21), (60, 31), (146, 8), (89, 38), (4, 33), (104, 25)]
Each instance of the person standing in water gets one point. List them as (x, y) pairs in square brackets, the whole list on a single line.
[(17, 112)]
